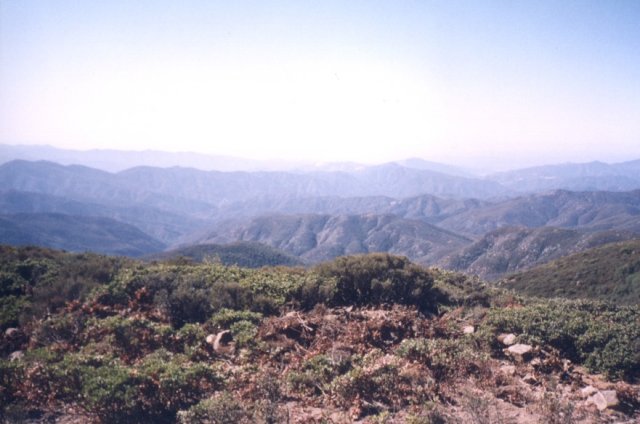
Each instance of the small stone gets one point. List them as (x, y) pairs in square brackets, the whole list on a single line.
[(530, 379), (604, 399), (507, 339), (16, 356), (210, 339), (222, 339), (536, 362), (468, 329), (520, 352), (585, 392), (508, 369), (11, 332)]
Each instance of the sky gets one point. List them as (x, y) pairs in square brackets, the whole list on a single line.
[(484, 84)]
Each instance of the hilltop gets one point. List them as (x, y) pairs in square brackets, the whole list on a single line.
[(370, 338)]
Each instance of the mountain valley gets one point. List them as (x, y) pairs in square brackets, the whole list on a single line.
[(457, 221)]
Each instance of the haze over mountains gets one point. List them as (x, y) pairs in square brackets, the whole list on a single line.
[(432, 213)]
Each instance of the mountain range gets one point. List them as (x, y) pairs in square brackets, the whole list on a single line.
[(316, 238), (490, 226), (76, 233)]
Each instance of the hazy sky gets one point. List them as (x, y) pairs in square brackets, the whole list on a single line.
[(468, 82)]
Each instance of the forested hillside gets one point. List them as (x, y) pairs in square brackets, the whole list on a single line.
[(610, 272), (511, 249)]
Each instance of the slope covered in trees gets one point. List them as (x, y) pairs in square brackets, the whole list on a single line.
[(610, 272), (512, 249)]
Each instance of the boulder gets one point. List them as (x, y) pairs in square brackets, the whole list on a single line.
[(604, 399), (468, 329), (520, 352)]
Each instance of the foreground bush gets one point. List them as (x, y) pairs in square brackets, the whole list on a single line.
[(379, 278), (604, 337)]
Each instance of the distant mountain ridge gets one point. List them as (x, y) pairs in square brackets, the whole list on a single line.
[(321, 237), (118, 160), (589, 211), (422, 214), (592, 176), (163, 225), (76, 233), (511, 249)]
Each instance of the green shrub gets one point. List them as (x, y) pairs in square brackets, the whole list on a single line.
[(379, 278), (317, 373), (133, 337), (446, 358), (244, 333), (223, 408), (153, 391), (11, 308), (191, 339), (224, 318), (61, 329), (604, 337), (11, 374), (380, 382)]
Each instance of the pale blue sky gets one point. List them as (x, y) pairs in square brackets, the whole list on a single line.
[(469, 82)]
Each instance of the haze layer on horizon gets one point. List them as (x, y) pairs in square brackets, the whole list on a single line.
[(480, 84)]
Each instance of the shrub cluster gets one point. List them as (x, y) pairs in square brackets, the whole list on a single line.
[(604, 337), (379, 278), (152, 390)]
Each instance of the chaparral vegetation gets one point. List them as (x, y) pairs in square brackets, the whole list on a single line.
[(370, 338)]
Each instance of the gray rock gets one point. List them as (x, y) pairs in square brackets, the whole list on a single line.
[(16, 356), (210, 339), (520, 352), (507, 339), (508, 369), (510, 339), (468, 329), (585, 392), (11, 332), (530, 379), (604, 399), (222, 340)]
